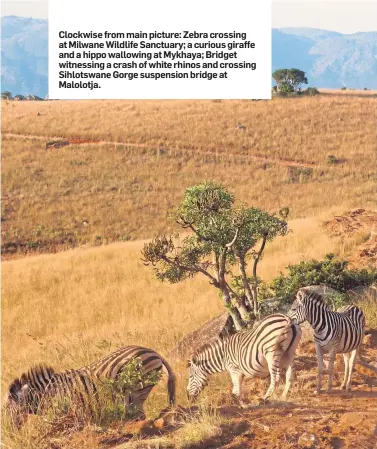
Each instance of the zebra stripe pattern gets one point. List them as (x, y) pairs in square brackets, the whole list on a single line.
[(262, 351), (340, 331), (110, 367), (42, 382), (35, 389)]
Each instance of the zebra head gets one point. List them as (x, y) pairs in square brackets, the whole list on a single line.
[(299, 310), (197, 378), (26, 391)]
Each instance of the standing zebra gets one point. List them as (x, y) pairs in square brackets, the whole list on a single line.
[(259, 352), (334, 332), (41, 381)]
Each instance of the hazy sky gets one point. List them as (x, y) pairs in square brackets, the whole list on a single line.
[(336, 15)]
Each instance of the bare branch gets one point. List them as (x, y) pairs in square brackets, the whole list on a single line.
[(229, 245), (175, 262)]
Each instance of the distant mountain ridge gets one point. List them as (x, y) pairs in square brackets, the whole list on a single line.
[(330, 59)]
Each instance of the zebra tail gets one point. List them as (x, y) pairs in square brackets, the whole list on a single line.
[(171, 381), (361, 361)]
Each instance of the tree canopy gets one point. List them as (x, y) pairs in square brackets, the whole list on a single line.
[(223, 236), (289, 80)]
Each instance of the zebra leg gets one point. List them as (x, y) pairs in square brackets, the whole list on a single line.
[(136, 402), (273, 361), (350, 369), (319, 353), (289, 378), (346, 358), (237, 379), (331, 368)]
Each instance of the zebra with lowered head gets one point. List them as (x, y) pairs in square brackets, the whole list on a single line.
[(258, 352), (42, 382), (34, 390), (340, 331)]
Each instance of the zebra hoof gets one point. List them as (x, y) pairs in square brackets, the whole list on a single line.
[(343, 387)]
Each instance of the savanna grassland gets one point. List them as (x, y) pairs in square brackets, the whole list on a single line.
[(100, 201), (312, 154)]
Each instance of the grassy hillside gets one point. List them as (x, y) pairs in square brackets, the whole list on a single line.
[(70, 308), (104, 192)]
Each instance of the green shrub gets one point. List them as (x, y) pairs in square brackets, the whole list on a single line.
[(331, 159), (115, 393), (331, 272), (343, 88), (311, 91)]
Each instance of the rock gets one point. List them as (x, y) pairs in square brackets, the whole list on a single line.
[(211, 330), (144, 427), (273, 305), (322, 289), (177, 415), (363, 291), (57, 144), (307, 441), (159, 423)]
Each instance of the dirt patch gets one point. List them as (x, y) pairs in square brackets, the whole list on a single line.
[(359, 225)]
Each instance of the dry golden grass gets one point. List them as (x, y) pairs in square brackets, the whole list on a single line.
[(71, 308), (100, 193), (299, 129), (62, 308)]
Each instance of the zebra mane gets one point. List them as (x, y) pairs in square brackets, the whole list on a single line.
[(35, 371)]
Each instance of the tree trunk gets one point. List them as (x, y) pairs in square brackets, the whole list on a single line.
[(244, 313), (248, 293), (237, 321), (234, 312)]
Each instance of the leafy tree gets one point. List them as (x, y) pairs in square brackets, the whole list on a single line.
[(6, 95), (289, 80), (224, 235)]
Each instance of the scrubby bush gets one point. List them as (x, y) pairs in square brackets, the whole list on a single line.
[(311, 91), (343, 88), (114, 394), (331, 159), (331, 272)]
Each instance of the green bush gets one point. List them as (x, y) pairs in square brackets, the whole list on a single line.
[(331, 272), (311, 91), (343, 88), (331, 159), (115, 393)]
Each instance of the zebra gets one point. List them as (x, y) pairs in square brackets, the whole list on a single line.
[(35, 389), (261, 351), (110, 367), (41, 381), (339, 331)]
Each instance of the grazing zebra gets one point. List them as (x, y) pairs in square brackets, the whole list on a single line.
[(260, 352), (340, 331), (36, 388), (42, 381)]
